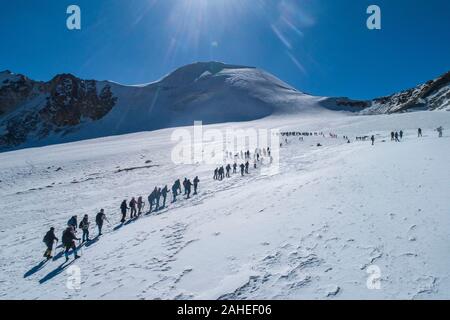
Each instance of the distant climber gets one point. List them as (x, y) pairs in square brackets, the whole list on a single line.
[(440, 131), (123, 210), (158, 197), (84, 225), (164, 193), (133, 211), (174, 192), (99, 219), (185, 186), (188, 188), (73, 223), (196, 182), (140, 205)]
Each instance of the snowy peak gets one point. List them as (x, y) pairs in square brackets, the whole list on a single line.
[(191, 73)]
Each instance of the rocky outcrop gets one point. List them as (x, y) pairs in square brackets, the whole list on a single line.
[(37, 109), (71, 100), (15, 90)]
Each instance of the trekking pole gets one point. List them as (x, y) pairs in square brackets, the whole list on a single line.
[(81, 247)]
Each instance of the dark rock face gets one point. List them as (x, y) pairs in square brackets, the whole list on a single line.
[(71, 99), (51, 107), (16, 90)]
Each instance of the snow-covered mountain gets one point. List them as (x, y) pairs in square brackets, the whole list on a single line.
[(432, 95), (67, 108)]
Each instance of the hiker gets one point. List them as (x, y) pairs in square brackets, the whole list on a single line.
[(99, 218), (221, 173), (133, 211), (234, 167), (401, 134), (242, 169), (178, 184), (246, 167), (373, 139), (49, 239), (174, 192), (123, 209), (73, 223), (164, 193), (396, 137), (188, 188), (392, 136), (196, 181), (419, 133), (185, 186), (140, 205), (228, 168), (84, 225), (440, 130), (254, 164), (216, 174), (158, 197), (68, 240), (152, 198)]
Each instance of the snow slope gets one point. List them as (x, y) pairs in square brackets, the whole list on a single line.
[(312, 231)]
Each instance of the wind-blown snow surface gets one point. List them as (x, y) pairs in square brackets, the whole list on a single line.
[(311, 231)]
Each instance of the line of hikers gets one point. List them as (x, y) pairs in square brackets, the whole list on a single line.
[(158, 196), (298, 133), (396, 136), (221, 172), (69, 236), (246, 155)]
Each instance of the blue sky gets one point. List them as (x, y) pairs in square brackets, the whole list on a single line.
[(319, 46)]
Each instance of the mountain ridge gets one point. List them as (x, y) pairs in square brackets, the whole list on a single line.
[(67, 108)]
